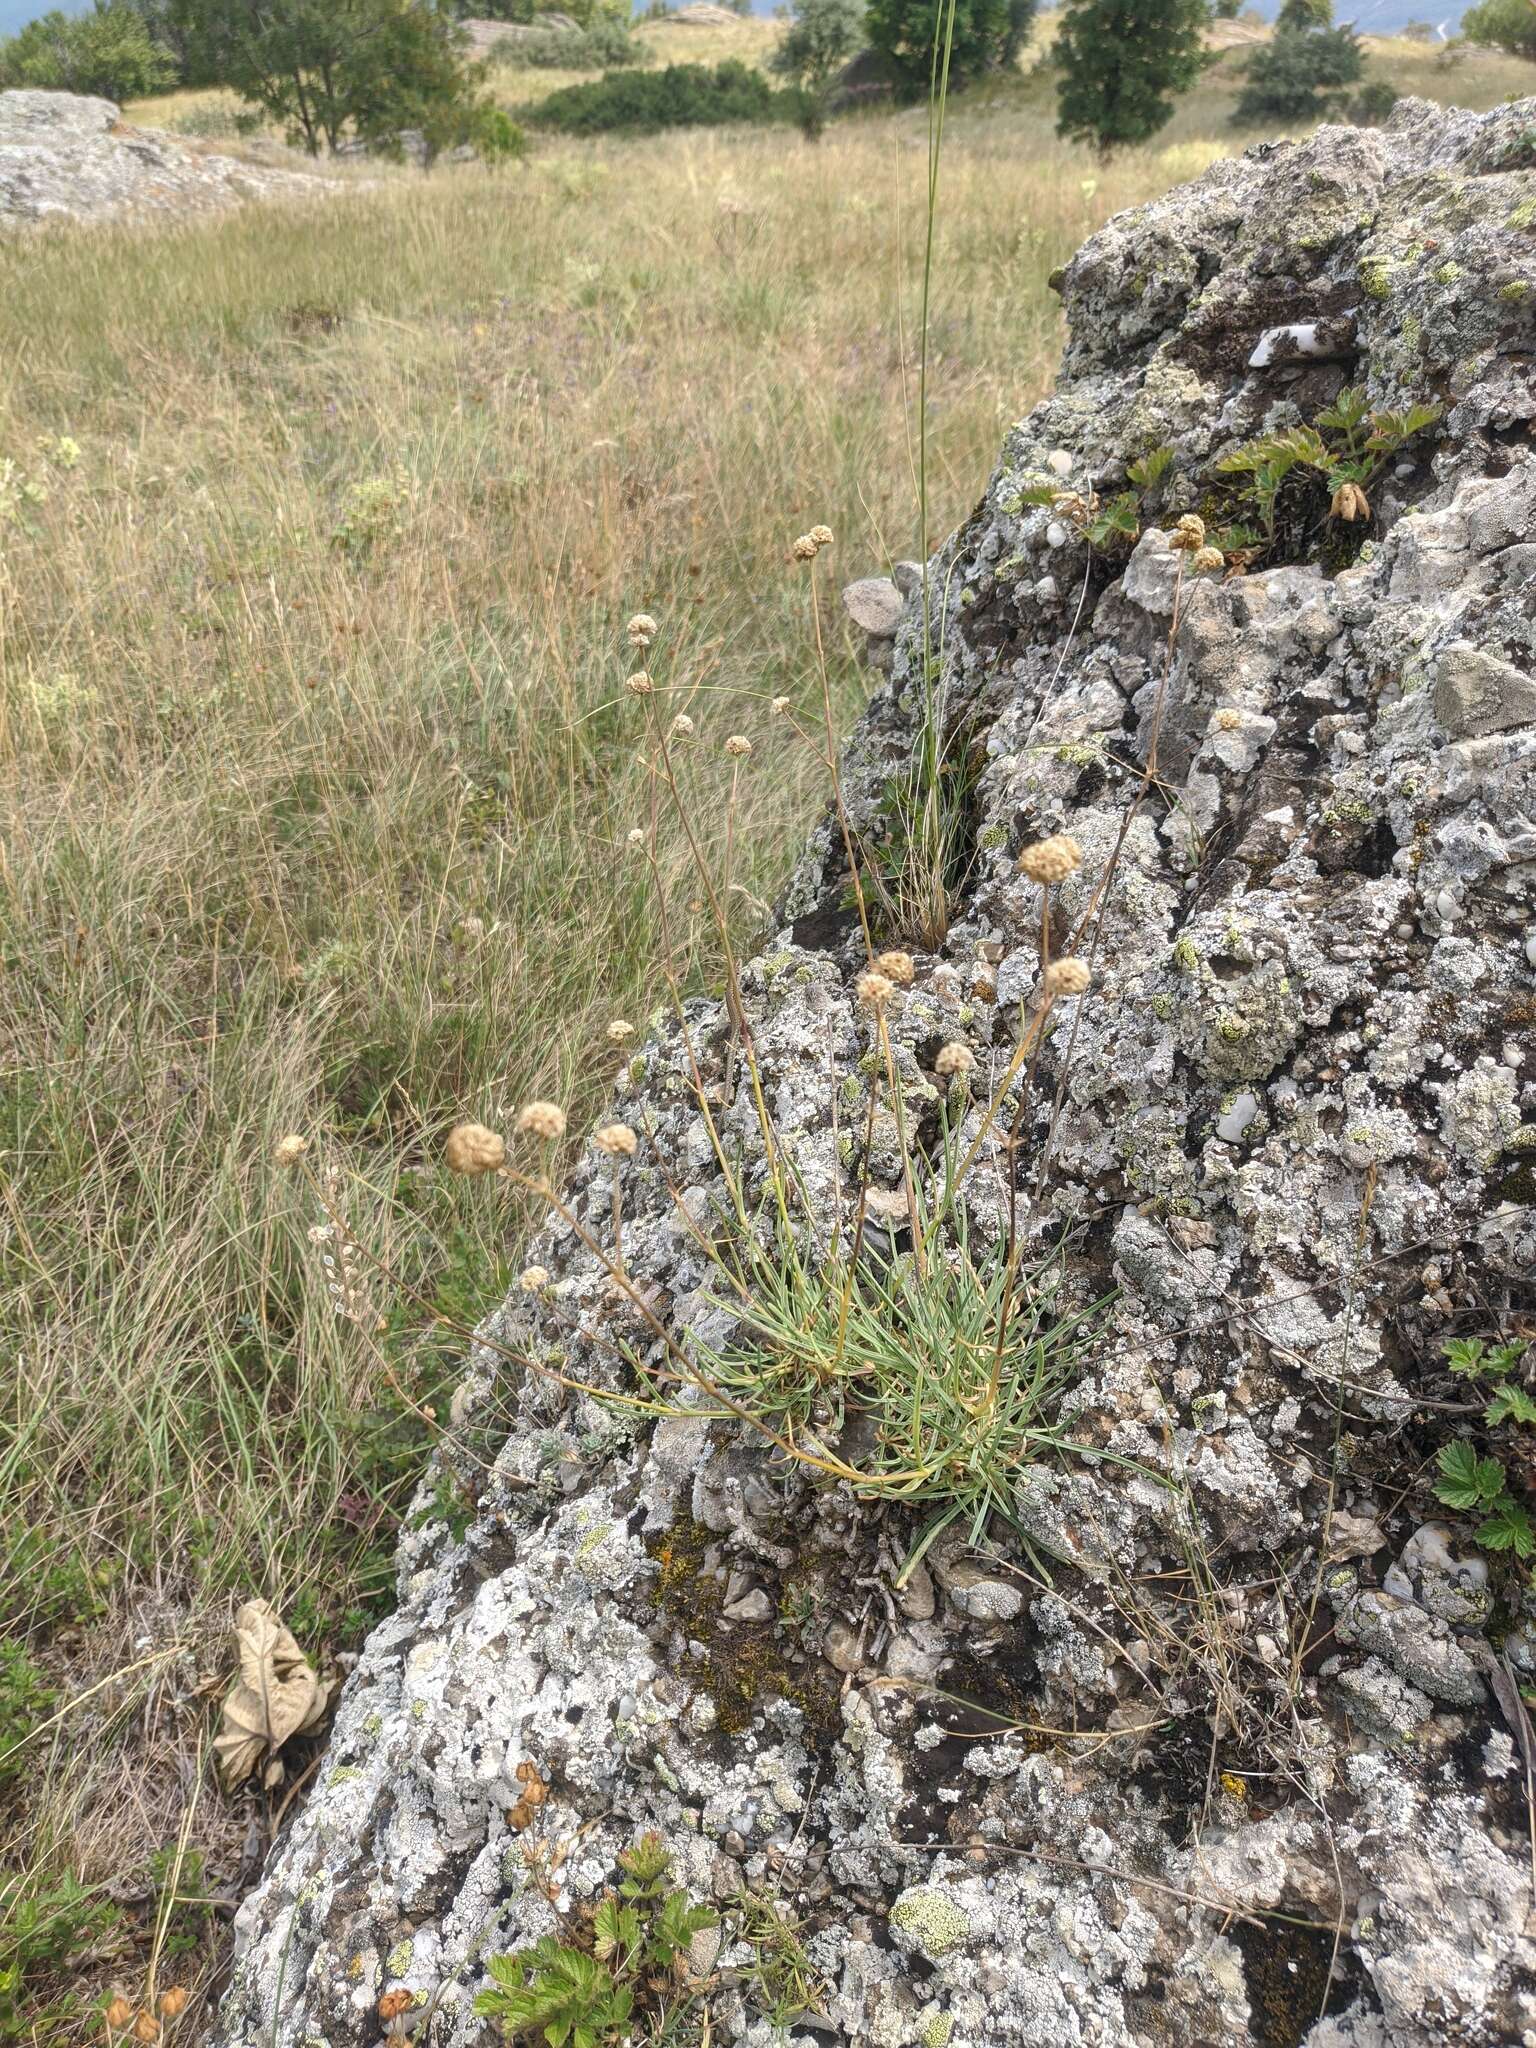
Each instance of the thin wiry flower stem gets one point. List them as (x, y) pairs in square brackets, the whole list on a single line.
[(898, 1108)]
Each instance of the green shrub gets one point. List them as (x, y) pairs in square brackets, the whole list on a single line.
[(109, 52), (1502, 25), (1294, 78), (987, 35), (1120, 62), (45, 1924), (682, 96), (821, 37), (26, 1700), (217, 120), (606, 46), (1373, 103), (637, 1970)]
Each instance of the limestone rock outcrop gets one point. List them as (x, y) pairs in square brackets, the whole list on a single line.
[(66, 156), (1219, 1739)]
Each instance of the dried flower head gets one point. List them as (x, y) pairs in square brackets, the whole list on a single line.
[(634, 837), (875, 988), (544, 1120), (1051, 860), (1067, 978), (393, 2003), (895, 967), (953, 1059), (533, 1279), (118, 2013), (472, 1150), (738, 746), (1207, 558), (1188, 534), (286, 1152), (620, 1030), (1076, 506), (822, 535), (682, 726), (146, 2027), (1350, 502), (804, 549), (641, 630), (617, 1140), (173, 2001), (639, 684), (780, 706)]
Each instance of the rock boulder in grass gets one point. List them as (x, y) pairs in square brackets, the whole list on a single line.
[(1292, 1113), (65, 156)]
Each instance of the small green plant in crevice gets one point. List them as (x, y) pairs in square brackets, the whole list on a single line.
[(634, 1982), (950, 1367), (783, 1982), (922, 860), (1472, 1483), (1286, 485), (180, 1884), (1105, 523)]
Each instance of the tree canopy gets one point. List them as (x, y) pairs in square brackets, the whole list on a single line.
[(1121, 62)]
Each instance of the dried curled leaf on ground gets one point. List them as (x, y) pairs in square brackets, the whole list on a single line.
[(276, 1696)]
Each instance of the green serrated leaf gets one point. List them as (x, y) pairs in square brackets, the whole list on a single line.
[(1464, 1356), (1508, 1528), (1466, 1480), (1346, 411), (1511, 1404), (1150, 469)]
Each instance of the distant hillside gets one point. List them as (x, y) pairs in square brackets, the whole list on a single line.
[(1378, 17)]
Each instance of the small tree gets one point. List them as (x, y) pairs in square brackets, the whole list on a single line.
[(328, 68), (820, 39), (1297, 16), (109, 52), (987, 36), (1293, 78), (1120, 62), (1503, 25)]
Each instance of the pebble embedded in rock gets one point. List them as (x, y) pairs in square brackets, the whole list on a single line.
[(842, 1648), (1231, 1125), (754, 1606)]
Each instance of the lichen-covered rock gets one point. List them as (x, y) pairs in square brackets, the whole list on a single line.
[(65, 156), (1162, 1760)]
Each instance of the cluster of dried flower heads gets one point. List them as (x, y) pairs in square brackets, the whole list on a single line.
[(1188, 538), (137, 2022)]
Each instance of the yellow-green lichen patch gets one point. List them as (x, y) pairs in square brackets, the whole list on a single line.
[(931, 1921)]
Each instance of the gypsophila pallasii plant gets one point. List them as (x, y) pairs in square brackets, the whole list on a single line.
[(881, 1340)]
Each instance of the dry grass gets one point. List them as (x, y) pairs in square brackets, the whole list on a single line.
[(315, 797)]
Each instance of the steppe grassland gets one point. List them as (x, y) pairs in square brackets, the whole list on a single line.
[(317, 774)]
